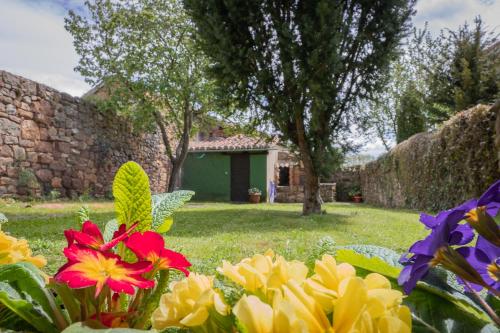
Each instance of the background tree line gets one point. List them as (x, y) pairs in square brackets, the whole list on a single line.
[(434, 78)]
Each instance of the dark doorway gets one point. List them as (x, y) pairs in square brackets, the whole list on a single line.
[(240, 177)]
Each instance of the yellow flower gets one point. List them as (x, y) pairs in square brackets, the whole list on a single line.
[(323, 285), (13, 250), (263, 274), (189, 303), (370, 305), (255, 315), (295, 311)]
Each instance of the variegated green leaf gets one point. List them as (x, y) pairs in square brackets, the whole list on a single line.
[(164, 205), (132, 196)]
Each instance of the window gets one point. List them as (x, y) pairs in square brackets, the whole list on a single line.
[(284, 176)]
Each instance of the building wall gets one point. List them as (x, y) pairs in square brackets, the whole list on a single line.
[(50, 140), (209, 175)]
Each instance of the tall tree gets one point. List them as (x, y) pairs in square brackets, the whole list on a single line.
[(302, 65), (144, 53), (410, 118), (464, 70), (399, 111)]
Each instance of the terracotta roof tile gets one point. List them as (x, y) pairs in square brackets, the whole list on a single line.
[(236, 142)]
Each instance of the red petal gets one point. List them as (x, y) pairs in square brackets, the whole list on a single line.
[(85, 239), (76, 251), (137, 267), (69, 236), (74, 279), (119, 235), (121, 286), (172, 259), (92, 230), (147, 245)]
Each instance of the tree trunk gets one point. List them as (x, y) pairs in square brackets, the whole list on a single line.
[(174, 174), (312, 198)]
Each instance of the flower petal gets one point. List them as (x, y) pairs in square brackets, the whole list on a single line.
[(146, 246)]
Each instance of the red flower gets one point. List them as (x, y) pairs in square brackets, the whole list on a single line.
[(87, 267), (150, 246), (91, 236)]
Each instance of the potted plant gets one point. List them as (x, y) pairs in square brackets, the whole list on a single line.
[(254, 195), (355, 194)]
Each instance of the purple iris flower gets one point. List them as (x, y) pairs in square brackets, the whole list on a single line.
[(485, 258), (490, 198), (445, 231)]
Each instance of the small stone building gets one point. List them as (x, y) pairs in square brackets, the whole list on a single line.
[(223, 168)]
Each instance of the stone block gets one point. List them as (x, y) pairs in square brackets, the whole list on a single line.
[(56, 182), (63, 147), (9, 127), (44, 175), (19, 153), (27, 143), (58, 165), (6, 151), (13, 172), (11, 109), (30, 130), (32, 156), (44, 147), (25, 114), (45, 158), (11, 140)]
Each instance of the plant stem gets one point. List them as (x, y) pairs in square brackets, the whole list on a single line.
[(483, 303)]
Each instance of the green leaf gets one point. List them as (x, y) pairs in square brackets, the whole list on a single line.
[(109, 229), (165, 227), (431, 308), (164, 205), (24, 293), (132, 196), (83, 214), (371, 258), (82, 328)]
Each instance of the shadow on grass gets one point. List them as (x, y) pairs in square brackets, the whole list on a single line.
[(207, 222)]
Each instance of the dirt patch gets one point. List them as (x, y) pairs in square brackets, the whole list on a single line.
[(52, 205)]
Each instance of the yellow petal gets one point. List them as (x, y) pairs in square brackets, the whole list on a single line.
[(255, 315), (349, 307), (377, 281), (195, 318)]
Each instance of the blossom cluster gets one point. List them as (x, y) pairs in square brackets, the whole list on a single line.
[(107, 271), (280, 296), (448, 245), (13, 250)]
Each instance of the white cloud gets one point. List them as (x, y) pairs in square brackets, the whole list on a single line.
[(441, 14), (35, 45)]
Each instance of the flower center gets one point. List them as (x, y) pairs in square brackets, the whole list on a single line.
[(493, 271), (100, 268)]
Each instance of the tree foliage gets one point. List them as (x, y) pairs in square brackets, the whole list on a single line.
[(301, 65), (434, 78), (142, 54)]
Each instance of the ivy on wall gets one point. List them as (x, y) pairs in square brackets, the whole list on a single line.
[(435, 171)]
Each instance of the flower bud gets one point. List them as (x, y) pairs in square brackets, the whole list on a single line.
[(451, 260), (484, 224)]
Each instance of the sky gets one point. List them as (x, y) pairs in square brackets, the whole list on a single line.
[(34, 43)]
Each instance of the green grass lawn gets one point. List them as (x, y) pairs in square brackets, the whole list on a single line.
[(207, 233)]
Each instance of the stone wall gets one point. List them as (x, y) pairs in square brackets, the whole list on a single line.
[(52, 141), (346, 179), (434, 171)]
